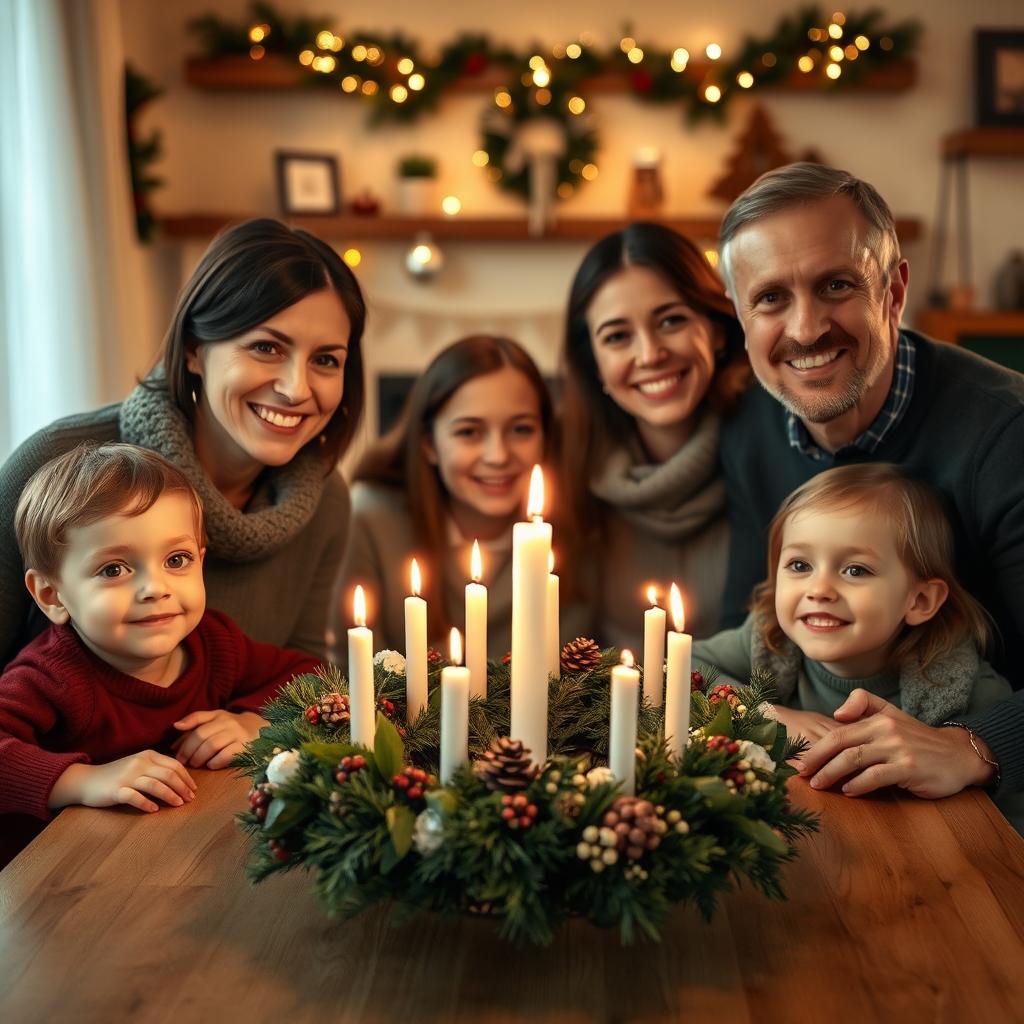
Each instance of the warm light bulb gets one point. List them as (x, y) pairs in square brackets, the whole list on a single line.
[(745, 79), (542, 77), (680, 58), (627, 659), (835, 31), (713, 51), (451, 205), (589, 172), (421, 253), (502, 99), (536, 62), (370, 88), (577, 105), (416, 82), (455, 647), (352, 257), (626, 43), (415, 580), (405, 66), (359, 52), (476, 563), (676, 604), (306, 58), (862, 42), (636, 55), (256, 34), (399, 93), (836, 53), (712, 94), (350, 83), (833, 71), (359, 607), (535, 501), (325, 39), (573, 51), (805, 63), (480, 158)]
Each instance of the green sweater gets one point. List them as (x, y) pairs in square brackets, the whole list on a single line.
[(274, 582)]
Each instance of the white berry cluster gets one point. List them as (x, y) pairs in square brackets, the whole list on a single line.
[(390, 661), (598, 845)]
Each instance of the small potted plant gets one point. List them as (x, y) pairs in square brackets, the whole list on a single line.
[(417, 177)]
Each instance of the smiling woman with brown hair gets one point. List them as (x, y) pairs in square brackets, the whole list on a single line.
[(653, 354), (258, 392)]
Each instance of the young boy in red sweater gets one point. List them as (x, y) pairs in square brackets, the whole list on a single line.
[(112, 539)]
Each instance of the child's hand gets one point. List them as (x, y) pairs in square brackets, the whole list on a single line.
[(212, 738), (129, 780), (808, 724)]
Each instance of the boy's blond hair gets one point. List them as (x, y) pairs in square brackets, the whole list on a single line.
[(86, 484), (924, 542)]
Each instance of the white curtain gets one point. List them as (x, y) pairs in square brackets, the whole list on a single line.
[(68, 278)]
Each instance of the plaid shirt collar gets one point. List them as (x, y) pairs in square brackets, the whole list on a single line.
[(884, 423)]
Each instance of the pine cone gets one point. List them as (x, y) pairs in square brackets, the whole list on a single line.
[(580, 655), (506, 766), (331, 710)]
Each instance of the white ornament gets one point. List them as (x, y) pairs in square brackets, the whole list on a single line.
[(282, 767), (428, 833), (599, 776), (756, 755), (390, 661)]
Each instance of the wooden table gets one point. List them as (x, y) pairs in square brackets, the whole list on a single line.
[(901, 909)]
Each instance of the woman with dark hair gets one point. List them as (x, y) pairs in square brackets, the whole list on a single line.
[(257, 393), (455, 468), (653, 356)]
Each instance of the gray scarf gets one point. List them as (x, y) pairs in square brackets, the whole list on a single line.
[(943, 694), (282, 504), (671, 500)]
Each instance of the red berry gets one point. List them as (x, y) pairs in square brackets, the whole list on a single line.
[(531, 810), (341, 777), (519, 801), (508, 814), (506, 801), (415, 792), (401, 781), (696, 681), (507, 658), (313, 714), (261, 813), (525, 822)]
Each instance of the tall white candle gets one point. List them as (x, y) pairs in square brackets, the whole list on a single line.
[(454, 712), (360, 675), (415, 647), (476, 627), (654, 650), (531, 543), (622, 737), (677, 689), (554, 648)]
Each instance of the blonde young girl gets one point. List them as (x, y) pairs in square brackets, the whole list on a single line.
[(861, 593)]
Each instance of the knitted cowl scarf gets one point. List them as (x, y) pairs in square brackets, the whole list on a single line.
[(671, 500), (283, 502)]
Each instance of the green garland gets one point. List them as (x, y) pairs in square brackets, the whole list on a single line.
[(369, 60), (373, 825)]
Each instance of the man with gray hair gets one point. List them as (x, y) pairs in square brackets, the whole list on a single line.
[(812, 263)]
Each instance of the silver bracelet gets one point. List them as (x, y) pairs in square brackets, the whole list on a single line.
[(971, 735)]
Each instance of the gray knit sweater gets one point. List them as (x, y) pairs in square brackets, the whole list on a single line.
[(666, 524), (270, 567)]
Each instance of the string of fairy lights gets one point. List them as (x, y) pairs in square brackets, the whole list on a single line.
[(400, 79)]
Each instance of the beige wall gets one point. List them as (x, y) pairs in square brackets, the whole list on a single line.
[(219, 150)]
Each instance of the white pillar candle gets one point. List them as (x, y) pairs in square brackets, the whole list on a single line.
[(622, 736), (362, 712), (415, 647), (531, 543), (677, 689), (654, 651), (454, 712), (554, 648), (476, 627)]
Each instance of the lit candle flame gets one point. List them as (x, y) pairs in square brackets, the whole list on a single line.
[(476, 564), (652, 596), (676, 601), (551, 561), (627, 659), (415, 581), (359, 607), (535, 503), (455, 647)]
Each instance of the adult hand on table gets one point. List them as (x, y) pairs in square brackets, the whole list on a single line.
[(880, 745)]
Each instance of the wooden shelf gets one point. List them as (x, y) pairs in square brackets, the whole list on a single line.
[(984, 142), (222, 74), (467, 229), (952, 324)]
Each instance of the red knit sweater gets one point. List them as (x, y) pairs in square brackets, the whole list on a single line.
[(61, 704)]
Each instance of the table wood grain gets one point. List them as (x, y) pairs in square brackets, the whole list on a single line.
[(900, 909)]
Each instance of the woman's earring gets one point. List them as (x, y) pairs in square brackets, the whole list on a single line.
[(195, 401), (323, 439)]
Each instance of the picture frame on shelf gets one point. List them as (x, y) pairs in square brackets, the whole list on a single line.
[(999, 66), (307, 183)]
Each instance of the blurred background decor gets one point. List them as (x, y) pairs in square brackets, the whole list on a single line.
[(307, 183)]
